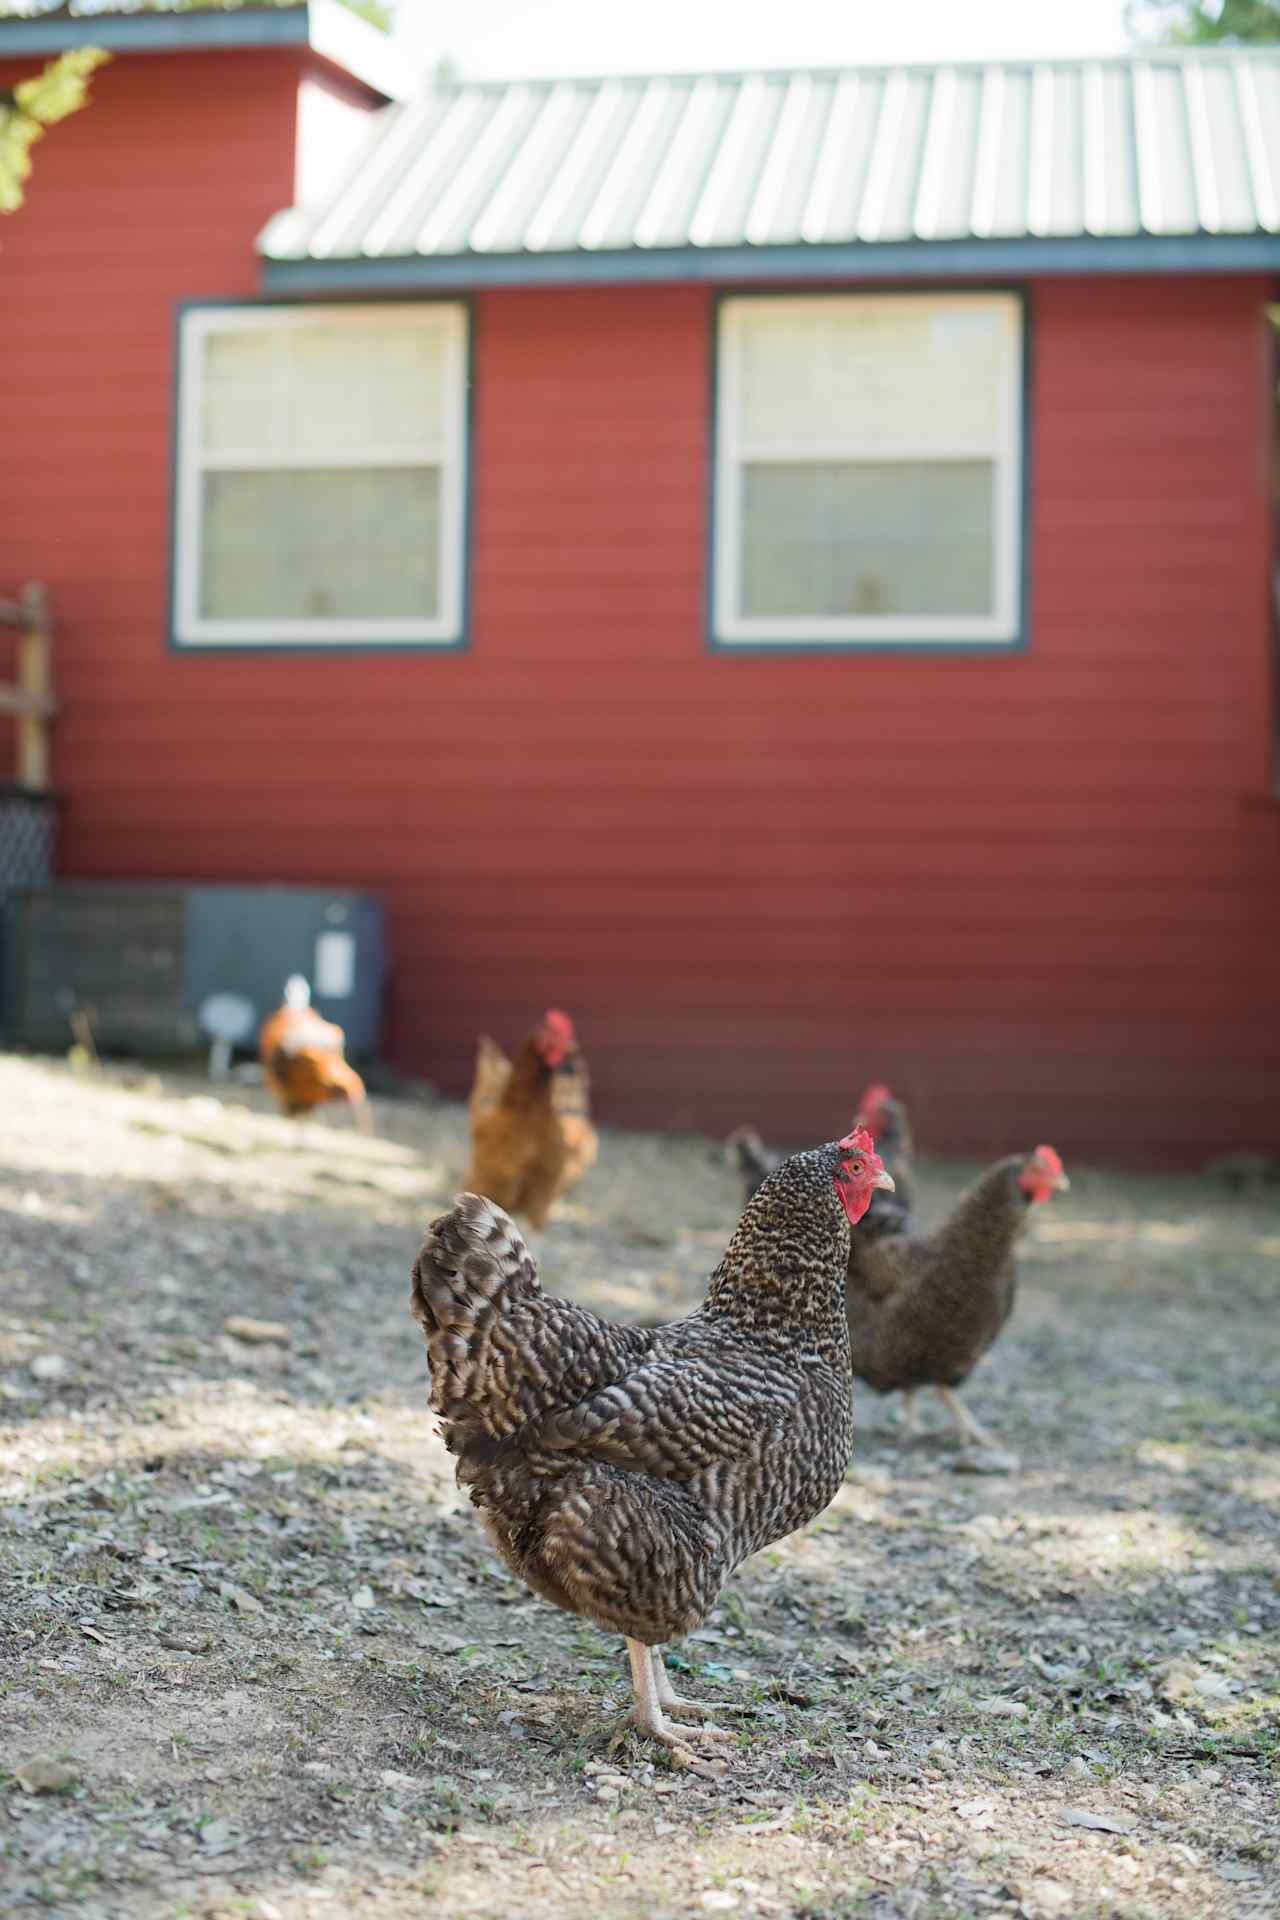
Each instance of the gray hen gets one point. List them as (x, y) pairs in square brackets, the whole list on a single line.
[(623, 1472)]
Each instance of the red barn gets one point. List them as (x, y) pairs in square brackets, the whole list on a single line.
[(779, 564)]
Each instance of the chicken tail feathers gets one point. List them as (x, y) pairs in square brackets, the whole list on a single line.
[(473, 1271), (505, 1357)]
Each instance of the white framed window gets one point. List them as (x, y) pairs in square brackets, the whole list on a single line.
[(321, 475), (868, 476)]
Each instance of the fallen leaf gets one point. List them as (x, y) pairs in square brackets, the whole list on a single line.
[(1050, 1896), (1000, 1705), (255, 1332), (1097, 1822), (44, 1776), (243, 1602), (1193, 1685)]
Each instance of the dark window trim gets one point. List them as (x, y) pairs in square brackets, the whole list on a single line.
[(326, 648), (1019, 644)]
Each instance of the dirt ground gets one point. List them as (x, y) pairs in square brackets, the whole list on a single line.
[(256, 1658)]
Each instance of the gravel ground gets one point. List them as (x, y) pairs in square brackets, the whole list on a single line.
[(256, 1659)]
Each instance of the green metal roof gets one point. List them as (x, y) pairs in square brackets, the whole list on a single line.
[(613, 177)]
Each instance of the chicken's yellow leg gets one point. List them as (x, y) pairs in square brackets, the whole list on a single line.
[(647, 1711), (966, 1426)]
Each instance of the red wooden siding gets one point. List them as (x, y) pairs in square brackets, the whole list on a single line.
[(152, 194), (1036, 893)]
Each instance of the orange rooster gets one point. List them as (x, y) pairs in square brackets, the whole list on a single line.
[(302, 1058), (531, 1131)]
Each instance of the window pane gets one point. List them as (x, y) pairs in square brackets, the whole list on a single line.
[(878, 537), (324, 387), (904, 376), (355, 544)]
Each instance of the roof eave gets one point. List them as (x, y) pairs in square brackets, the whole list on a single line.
[(329, 30), (884, 261)]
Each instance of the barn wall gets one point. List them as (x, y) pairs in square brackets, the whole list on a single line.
[(152, 194), (1038, 894)]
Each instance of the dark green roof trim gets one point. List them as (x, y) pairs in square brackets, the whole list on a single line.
[(908, 260), (157, 32)]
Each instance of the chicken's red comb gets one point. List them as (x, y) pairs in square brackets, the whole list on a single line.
[(859, 1141), (560, 1023), (1049, 1159), (874, 1098)]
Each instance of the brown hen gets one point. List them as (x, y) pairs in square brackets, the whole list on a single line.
[(623, 1473), (924, 1309), (303, 1059), (531, 1132)]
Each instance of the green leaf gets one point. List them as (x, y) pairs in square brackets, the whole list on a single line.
[(38, 103), (62, 88)]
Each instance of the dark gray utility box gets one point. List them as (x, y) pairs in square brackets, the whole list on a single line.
[(143, 957)]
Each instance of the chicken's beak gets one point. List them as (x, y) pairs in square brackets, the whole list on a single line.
[(1061, 1183), (884, 1180)]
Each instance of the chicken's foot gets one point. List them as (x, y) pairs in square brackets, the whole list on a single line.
[(969, 1428), (670, 1701), (647, 1712), (908, 1412)]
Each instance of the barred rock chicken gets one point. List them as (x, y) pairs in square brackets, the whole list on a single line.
[(924, 1310), (302, 1058), (531, 1132), (747, 1153), (624, 1473), (885, 1119)]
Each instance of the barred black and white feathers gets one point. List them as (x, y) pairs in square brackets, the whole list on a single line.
[(623, 1472)]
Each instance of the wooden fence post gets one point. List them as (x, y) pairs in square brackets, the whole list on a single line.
[(31, 699)]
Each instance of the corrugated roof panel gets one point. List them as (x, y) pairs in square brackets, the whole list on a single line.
[(721, 212), (844, 158), (1258, 95), (891, 187), (1066, 175), (585, 161), (1001, 193), (507, 214), (1166, 180), (677, 186), (784, 173), (1222, 137), (1170, 144), (414, 183), (481, 171), (951, 149), (788, 191), (1109, 203), (625, 187)]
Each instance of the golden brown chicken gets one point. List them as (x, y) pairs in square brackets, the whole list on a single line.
[(623, 1472), (924, 1310), (303, 1059), (531, 1132)]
